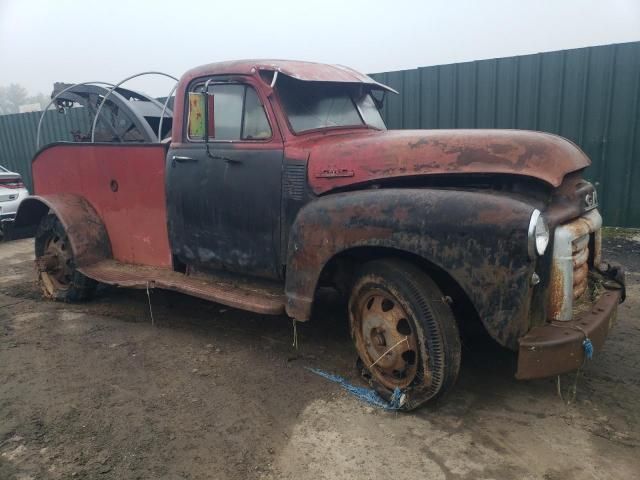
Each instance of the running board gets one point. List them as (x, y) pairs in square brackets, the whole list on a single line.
[(260, 296)]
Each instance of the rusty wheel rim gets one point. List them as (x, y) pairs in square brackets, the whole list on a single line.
[(55, 266), (385, 339)]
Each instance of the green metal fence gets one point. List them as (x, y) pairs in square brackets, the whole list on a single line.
[(589, 95), (18, 136)]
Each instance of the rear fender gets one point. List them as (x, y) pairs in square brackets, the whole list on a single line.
[(478, 238), (87, 234)]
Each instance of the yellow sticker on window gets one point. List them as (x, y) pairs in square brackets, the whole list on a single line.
[(196, 115)]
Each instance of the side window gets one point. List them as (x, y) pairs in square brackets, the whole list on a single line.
[(237, 114), (255, 126), (227, 110)]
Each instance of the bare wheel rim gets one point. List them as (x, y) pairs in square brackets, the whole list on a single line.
[(56, 265), (385, 339)]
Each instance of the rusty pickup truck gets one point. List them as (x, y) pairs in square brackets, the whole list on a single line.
[(279, 178)]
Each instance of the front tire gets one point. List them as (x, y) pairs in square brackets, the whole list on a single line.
[(57, 274), (404, 332)]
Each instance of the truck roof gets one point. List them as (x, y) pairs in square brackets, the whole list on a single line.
[(300, 70)]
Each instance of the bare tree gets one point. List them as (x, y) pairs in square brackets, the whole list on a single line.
[(14, 95)]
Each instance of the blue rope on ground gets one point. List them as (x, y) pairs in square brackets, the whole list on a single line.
[(367, 395), (588, 348)]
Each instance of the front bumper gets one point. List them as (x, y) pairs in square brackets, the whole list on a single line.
[(556, 347)]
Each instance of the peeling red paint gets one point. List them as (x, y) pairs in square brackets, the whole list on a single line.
[(375, 155)]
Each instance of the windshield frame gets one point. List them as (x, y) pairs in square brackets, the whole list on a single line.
[(367, 89)]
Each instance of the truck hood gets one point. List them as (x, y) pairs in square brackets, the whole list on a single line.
[(339, 160)]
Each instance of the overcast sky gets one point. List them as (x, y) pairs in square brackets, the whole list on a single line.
[(43, 41)]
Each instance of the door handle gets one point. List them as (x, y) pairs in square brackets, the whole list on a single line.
[(181, 159)]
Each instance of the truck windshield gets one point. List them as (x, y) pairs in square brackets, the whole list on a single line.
[(313, 105)]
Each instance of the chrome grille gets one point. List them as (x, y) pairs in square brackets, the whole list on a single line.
[(570, 267), (580, 253)]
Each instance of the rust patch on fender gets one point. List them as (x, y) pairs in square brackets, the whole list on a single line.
[(87, 234), (477, 238)]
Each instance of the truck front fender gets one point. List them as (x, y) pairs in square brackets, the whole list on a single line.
[(478, 238), (87, 235)]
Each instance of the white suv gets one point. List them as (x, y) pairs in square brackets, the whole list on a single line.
[(12, 192)]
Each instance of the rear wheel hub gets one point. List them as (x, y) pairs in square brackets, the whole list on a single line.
[(55, 266)]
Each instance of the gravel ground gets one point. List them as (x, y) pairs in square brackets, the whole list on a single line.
[(96, 391)]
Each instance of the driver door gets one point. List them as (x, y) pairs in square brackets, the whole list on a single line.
[(224, 203)]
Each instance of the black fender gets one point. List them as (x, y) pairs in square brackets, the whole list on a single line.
[(84, 227), (478, 238)]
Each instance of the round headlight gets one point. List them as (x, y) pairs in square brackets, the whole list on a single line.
[(538, 234)]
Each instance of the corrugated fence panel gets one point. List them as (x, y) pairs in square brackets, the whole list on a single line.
[(486, 94), (589, 95), (393, 111), (429, 101), (447, 96), (466, 95), (411, 99), (623, 123), (527, 107), (18, 136)]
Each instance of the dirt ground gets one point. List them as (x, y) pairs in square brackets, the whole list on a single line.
[(96, 391)]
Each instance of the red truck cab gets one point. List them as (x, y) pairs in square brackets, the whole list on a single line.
[(280, 177)]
